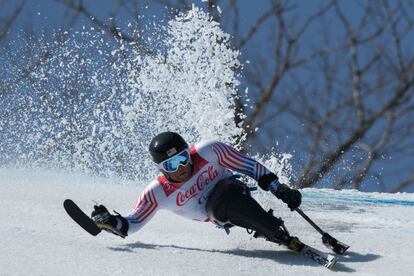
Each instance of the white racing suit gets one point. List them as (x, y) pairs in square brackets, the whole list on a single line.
[(211, 194)]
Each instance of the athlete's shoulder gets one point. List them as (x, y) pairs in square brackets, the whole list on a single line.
[(213, 150), (207, 149), (154, 185), (206, 145), (155, 189)]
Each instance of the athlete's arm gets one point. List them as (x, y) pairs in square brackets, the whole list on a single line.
[(230, 158), (145, 208)]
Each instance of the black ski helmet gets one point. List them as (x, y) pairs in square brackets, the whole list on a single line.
[(165, 145)]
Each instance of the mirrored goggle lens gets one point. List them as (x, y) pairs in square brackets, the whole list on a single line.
[(171, 165)]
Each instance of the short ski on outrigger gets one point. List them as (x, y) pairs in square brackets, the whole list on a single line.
[(81, 218), (92, 227), (329, 241)]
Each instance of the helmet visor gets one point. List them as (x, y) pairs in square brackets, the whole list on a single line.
[(172, 164)]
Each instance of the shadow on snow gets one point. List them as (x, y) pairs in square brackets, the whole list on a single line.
[(280, 256)]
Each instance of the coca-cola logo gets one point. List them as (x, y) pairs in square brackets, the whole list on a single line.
[(203, 180)]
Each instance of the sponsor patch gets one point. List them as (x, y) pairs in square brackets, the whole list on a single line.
[(171, 152)]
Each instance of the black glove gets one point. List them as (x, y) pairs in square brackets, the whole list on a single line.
[(113, 224), (291, 197)]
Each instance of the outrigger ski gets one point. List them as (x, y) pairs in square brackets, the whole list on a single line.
[(81, 218), (86, 222)]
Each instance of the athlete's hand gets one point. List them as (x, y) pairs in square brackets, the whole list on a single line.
[(113, 224), (292, 197), (101, 215)]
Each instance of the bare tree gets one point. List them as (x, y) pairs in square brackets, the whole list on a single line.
[(348, 101)]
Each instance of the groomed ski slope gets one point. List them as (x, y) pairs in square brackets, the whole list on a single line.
[(38, 238)]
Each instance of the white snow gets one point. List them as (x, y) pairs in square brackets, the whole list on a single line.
[(38, 238)]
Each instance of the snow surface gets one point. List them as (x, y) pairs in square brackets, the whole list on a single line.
[(38, 238)]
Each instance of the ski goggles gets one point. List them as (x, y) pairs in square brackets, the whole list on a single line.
[(172, 164)]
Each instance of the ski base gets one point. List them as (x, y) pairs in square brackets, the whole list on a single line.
[(81, 218)]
